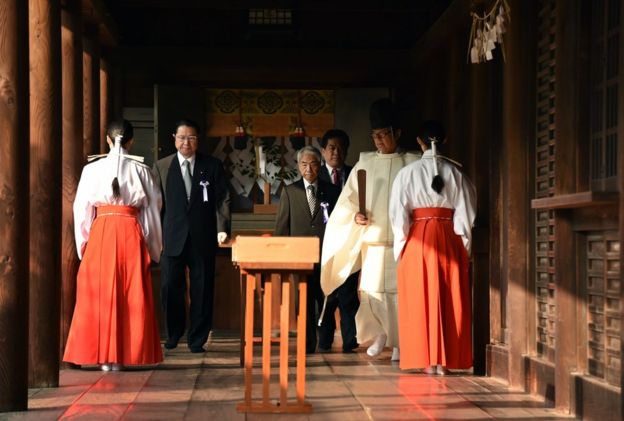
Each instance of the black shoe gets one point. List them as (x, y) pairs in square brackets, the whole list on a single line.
[(349, 349), (197, 349), (171, 344), (322, 350)]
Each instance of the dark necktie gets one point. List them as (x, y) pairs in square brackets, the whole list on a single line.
[(311, 198), (335, 177)]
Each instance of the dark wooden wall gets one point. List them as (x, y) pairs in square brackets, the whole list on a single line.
[(490, 110)]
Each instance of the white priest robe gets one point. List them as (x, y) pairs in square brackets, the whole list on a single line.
[(349, 247)]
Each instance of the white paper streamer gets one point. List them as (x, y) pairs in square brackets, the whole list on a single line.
[(487, 31)]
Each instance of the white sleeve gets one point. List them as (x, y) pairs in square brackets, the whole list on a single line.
[(465, 205), (84, 211), (342, 242), (399, 210), (149, 215)]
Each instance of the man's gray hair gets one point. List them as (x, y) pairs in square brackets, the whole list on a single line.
[(308, 150)]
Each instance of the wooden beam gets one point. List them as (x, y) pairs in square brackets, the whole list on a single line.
[(14, 204), (71, 48), (455, 16), (575, 200), (347, 6), (95, 14), (45, 190)]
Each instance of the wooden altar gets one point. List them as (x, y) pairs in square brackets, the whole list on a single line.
[(269, 260)]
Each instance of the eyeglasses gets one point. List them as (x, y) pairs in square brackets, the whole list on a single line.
[(381, 133), (185, 138)]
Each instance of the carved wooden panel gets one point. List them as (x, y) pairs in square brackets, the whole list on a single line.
[(603, 303), (605, 50), (544, 161)]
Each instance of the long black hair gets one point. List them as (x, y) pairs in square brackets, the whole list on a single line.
[(430, 132), (115, 129)]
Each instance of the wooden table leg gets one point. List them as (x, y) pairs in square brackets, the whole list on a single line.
[(243, 298), (284, 318), (249, 325), (266, 338), (301, 339)]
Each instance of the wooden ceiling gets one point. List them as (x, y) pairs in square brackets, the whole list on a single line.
[(348, 24)]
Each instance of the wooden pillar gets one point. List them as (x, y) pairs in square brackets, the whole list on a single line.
[(567, 97), (45, 191), (620, 134), (14, 205), (517, 132), (480, 95), (105, 103), (116, 75), (71, 47), (476, 115), (91, 93)]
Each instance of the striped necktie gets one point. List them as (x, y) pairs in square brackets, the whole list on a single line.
[(311, 198)]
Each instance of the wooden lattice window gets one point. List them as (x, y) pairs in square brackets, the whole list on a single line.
[(270, 17), (544, 234), (603, 306), (605, 50)]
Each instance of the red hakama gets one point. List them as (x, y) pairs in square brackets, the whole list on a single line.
[(434, 294), (114, 319)]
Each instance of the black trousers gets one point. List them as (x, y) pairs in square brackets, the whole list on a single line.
[(345, 298), (201, 273), (314, 305)]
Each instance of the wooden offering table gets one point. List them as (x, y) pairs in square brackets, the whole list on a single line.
[(274, 259)]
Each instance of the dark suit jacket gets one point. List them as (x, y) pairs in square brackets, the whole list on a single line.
[(326, 176), (293, 216), (197, 218)]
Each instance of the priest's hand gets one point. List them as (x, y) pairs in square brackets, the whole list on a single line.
[(361, 219)]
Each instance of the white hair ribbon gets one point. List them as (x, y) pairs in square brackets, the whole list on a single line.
[(434, 151), (118, 150)]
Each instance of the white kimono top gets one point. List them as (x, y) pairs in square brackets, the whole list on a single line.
[(137, 189), (345, 240), (412, 189)]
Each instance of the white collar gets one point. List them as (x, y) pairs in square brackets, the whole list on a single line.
[(330, 168), (306, 184), (191, 160), (428, 154)]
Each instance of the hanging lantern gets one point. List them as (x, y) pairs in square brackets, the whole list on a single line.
[(297, 137), (240, 137), (240, 134)]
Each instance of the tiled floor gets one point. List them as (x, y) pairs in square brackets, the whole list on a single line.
[(339, 387)]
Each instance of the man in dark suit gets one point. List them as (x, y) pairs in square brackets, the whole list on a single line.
[(195, 217), (334, 148), (304, 208)]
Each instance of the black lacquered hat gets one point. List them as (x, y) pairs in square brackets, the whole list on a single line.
[(383, 114)]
